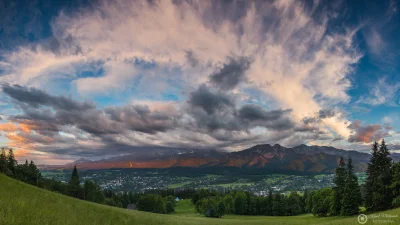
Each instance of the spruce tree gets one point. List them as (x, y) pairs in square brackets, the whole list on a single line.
[(3, 161), (351, 198), (372, 179), (24, 173), (385, 177), (340, 181), (74, 184), (11, 162), (34, 174)]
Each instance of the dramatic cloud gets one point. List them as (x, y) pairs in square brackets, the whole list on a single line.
[(274, 119), (367, 133), (322, 114), (209, 101), (84, 115), (7, 127), (231, 74), (215, 110), (34, 98), (208, 119)]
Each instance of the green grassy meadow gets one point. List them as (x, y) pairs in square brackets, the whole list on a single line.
[(23, 204)]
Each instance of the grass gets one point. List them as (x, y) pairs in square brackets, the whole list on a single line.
[(234, 184), (23, 204), (178, 185), (186, 208)]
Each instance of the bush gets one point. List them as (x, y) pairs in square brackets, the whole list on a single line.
[(396, 202), (169, 207), (322, 202)]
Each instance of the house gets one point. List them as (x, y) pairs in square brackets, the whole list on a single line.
[(177, 199), (131, 206)]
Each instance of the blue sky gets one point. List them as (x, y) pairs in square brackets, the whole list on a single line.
[(97, 78)]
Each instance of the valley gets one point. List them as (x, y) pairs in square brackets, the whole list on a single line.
[(138, 180)]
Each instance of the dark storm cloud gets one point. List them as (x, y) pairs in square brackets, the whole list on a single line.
[(231, 74), (255, 112), (35, 98), (214, 110), (84, 115), (254, 115), (322, 114), (308, 120), (140, 118), (209, 101), (326, 113)]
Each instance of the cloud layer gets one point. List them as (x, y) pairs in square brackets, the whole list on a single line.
[(208, 119)]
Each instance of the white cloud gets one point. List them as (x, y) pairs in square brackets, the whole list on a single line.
[(382, 92)]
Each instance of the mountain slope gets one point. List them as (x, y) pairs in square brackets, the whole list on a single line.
[(23, 204), (275, 158)]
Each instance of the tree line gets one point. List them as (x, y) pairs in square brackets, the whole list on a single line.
[(27, 172), (216, 204)]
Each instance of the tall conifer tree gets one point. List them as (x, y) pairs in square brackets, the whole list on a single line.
[(385, 166), (74, 184), (11, 162), (3, 161), (340, 181), (351, 198), (372, 179), (379, 195)]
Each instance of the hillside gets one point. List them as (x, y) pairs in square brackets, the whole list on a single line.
[(22, 204)]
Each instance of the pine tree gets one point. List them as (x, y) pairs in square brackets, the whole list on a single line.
[(351, 198), (11, 162), (74, 184), (385, 177), (372, 180), (340, 182), (24, 173), (34, 174), (3, 161)]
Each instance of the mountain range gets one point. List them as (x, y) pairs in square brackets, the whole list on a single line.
[(259, 158)]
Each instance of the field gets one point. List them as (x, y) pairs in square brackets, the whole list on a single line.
[(22, 204)]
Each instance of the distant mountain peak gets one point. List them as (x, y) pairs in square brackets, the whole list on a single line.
[(302, 146), (261, 157)]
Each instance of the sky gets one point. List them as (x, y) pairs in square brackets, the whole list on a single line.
[(95, 79)]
